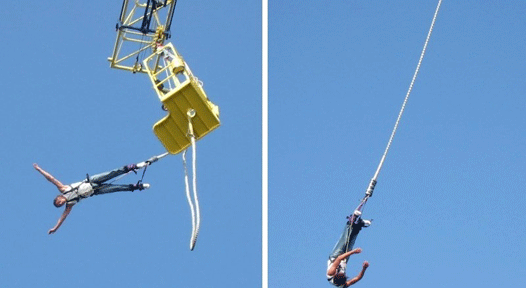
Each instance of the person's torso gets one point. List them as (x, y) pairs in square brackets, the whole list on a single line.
[(340, 269), (78, 191)]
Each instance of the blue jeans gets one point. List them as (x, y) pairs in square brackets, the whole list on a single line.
[(100, 187), (347, 239)]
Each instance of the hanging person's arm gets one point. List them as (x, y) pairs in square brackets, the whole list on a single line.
[(359, 276), (61, 219), (334, 266)]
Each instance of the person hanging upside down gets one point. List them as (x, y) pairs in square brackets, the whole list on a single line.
[(94, 185), (337, 264)]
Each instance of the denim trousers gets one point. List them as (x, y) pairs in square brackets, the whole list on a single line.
[(347, 239), (100, 187)]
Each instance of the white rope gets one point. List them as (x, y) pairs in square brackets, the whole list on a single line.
[(373, 180), (162, 155), (194, 208), (188, 196), (196, 199), (155, 158)]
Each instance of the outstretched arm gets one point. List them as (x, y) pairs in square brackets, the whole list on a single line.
[(61, 187), (61, 219), (332, 270), (359, 276)]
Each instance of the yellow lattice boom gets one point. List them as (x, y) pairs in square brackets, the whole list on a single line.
[(143, 24)]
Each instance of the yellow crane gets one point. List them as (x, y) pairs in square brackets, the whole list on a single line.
[(139, 47), (143, 28)]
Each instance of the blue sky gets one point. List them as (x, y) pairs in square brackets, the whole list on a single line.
[(449, 206), (65, 109)]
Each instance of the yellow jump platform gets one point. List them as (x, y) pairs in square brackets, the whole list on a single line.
[(172, 130), (180, 92)]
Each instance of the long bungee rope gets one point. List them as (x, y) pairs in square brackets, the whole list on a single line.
[(369, 192), (149, 162), (372, 184), (194, 208)]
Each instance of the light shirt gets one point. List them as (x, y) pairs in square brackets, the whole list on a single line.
[(78, 191), (340, 269)]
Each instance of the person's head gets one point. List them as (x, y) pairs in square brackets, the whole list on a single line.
[(339, 279), (59, 201)]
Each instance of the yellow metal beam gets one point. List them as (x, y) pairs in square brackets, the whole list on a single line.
[(132, 45)]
